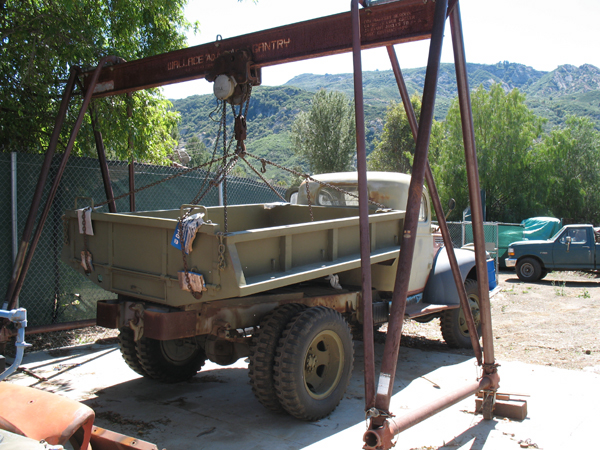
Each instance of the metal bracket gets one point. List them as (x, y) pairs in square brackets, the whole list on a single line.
[(137, 324)]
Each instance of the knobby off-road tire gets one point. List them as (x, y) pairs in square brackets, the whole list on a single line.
[(128, 351), (262, 354), (170, 361), (313, 363), (529, 269), (453, 323)]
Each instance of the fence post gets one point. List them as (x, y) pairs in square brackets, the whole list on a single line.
[(14, 210)]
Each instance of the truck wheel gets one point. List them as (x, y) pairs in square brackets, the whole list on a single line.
[(529, 269), (128, 352), (313, 363), (453, 323), (170, 361), (262, 354)]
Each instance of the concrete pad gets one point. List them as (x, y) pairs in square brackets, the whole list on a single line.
[(217, 410)]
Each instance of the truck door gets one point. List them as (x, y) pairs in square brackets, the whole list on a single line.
[(573, 249)]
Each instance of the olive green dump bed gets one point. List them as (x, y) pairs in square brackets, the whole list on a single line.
[(267, 247)]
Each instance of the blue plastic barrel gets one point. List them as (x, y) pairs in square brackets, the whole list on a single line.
[(491, 266)]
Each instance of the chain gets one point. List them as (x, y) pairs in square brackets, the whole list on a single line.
[(221, 251), (263, 178), (156, 183), (227, 165), (310, 210), (308, 177)]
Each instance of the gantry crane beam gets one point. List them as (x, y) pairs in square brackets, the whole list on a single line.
[(381, 25)]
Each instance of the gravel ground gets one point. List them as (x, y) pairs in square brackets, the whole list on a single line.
[(553, 322)]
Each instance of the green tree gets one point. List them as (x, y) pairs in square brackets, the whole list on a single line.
[(325, 136), (395, 150), (197, 151), (506, 131), (568, 161), (42, 40)]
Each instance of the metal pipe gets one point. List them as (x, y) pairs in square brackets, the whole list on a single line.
[(363, 209), (439, 212), (132, 163), (103, 164), (132, 185), (220, 190), (65, 326), (392, 343), (13, 201), (382, 437), (466, 114), (39, 190), (19, 317), (14, 213), (57, 178)]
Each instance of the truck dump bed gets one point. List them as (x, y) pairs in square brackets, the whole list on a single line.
[(267, 246)]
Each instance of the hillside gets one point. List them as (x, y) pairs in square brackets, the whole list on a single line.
[(568, 90)]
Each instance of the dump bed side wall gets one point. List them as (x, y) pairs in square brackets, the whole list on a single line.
[(133, 255)]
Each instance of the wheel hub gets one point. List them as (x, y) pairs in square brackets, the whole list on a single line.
[(311, 363)]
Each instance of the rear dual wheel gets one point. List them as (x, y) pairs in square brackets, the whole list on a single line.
[(169, 361), (313, 363), (262, 354)]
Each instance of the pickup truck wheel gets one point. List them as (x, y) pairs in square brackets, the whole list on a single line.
[(170, 361), (453, 323), (313, 363), (529, 269), (128, 351), (262, 354)]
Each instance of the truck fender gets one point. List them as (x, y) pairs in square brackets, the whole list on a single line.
[(440, 288)]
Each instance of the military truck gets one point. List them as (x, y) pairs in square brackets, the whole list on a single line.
[(573, 247), (282, 286)]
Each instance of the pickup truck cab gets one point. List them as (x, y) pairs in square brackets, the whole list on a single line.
[(573, 247)]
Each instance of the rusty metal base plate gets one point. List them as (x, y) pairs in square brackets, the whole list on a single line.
[(510, 406)]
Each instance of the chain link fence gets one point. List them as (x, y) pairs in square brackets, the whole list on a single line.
[(53, 293)]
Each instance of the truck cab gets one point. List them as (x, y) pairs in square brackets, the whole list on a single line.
[(389, 190)]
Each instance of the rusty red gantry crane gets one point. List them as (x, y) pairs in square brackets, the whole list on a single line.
[(376, 24)]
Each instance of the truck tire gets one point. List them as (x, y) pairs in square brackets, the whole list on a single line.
[(313, 363), (170, 361), (262, 354), (128, 351), (529, 269), (453, 323)]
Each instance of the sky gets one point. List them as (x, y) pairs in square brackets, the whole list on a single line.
[(543, 34)]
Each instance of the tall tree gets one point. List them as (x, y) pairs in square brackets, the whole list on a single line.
[(395, 150), (506, 131), (41, 40), (325, 136), (568, 161)]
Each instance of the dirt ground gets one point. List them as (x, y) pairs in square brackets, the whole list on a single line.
[(553, 322)]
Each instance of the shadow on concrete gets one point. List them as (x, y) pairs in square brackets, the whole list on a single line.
[(217, 408), (478, 433)]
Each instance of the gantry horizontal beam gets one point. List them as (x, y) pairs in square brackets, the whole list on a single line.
[(381, 25)]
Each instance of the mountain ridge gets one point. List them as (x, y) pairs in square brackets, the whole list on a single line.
[(567, 90)]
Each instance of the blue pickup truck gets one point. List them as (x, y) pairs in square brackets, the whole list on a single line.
[(574, 247)]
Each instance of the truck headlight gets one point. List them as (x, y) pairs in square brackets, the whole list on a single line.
[(511, 252)]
